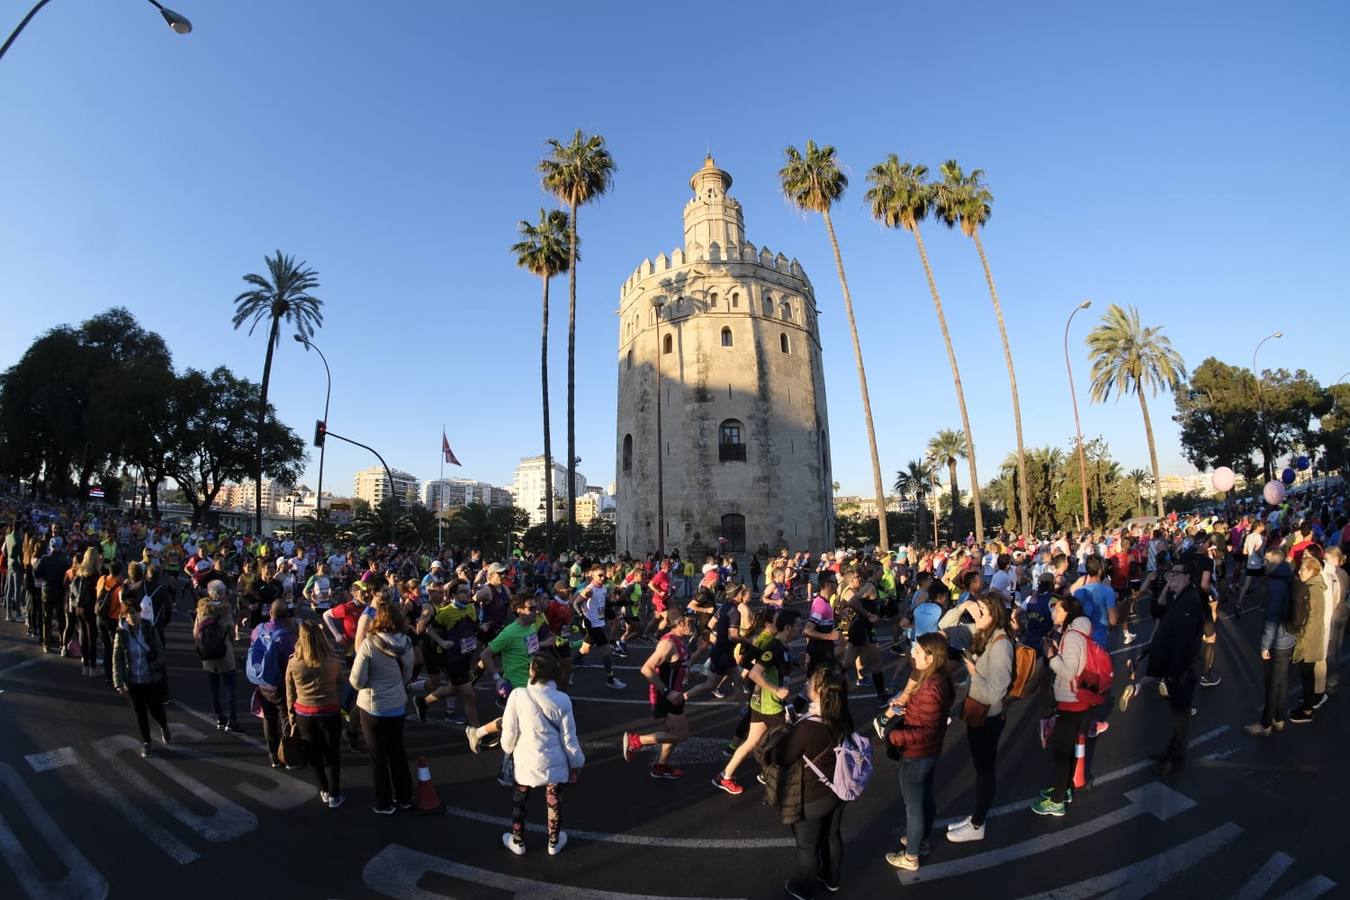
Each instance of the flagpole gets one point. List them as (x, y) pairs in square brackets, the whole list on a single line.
[(440, 494)]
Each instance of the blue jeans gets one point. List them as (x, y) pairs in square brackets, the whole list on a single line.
[(916, 789)]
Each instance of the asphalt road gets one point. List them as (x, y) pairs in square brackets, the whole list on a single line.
[(83, 816)]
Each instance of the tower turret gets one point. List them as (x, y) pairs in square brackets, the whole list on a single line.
[(712, 216)]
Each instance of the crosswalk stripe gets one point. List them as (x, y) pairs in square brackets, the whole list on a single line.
[(1256, 886), (81, 881)]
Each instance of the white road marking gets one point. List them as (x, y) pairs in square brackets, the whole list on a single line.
[(1143, 878), (1153, 799), (285, 791), (634, 840), (1097, 781), (228, 819), (1313, 887), (81, 881), (396, 870), (52, 759), (1256, 886)]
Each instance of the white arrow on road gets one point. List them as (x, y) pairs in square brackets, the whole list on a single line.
[(227, 821), (396, 870), (81, 881), (1152, 799)]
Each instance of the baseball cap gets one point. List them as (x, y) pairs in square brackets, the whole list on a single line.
[(497, 567), (436, 564)]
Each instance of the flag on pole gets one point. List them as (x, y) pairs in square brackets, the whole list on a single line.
[(447, 452)]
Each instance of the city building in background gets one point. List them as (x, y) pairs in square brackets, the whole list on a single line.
[(745, 455), (527, 486), (241, 496), (456, 493), (372, 486)]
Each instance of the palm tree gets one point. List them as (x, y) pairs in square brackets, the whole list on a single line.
[(900, 198), (1127, 357), (963, 199), (945, 447), (1140, 478), (283, 294), (576, 173), (813, 182), (916, 480), (543, 251)]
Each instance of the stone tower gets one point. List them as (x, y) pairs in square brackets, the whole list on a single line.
[(729, 331)]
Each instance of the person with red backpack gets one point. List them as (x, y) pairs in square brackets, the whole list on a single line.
[(1068, 657)]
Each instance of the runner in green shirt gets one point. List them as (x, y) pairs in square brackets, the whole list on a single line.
[(515, 643)]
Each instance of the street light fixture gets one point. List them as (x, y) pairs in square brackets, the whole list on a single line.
[(178, 22), (1261, 406), (1077, 427), (328, 393), (658, 303)]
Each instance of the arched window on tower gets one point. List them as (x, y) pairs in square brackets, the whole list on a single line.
[(733, 532), (731, 441), (667, 344), (630, 357), (712, 300), (768, 305), (735, 300), (787, 311), (783, 343), (627, 454), (726, 337)]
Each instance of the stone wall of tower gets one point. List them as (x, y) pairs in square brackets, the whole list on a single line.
[(735, 344)]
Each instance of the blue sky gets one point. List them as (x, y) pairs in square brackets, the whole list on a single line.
[(1184, 158)]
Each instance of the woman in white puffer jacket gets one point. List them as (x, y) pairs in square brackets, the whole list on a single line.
[(539, 732)]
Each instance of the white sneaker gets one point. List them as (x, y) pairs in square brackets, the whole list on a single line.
[(336, 800), (958, 825), (1162, 688), (615, 683), (510, 843), (1129, 637), (471, 733), (323, 796), (557, 847), (967, 832)]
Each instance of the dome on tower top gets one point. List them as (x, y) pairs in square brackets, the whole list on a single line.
[(709, 173)]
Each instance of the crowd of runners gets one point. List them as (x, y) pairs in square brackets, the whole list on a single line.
[(334, 646)]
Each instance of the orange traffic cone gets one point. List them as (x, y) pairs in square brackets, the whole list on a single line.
[(1080, 765), (428, 801)]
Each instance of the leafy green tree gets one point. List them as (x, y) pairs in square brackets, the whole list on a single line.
[(900, 197), (916, 481), (1128, 357), (813, 182), (577, 173), (1292, 403), (1139, 478), (965, 200), (1219, 416), (544, 249), (283, 295), (945, 448)]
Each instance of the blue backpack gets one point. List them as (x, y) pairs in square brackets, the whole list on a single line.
[(267, 656)]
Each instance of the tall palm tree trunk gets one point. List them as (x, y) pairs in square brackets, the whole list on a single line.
[(1012, 384), (571, 378), (960, 392), (262, 420), (862, 382), (1152, 453), (548, 440)]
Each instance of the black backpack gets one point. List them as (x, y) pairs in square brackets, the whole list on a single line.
[(211, 641)]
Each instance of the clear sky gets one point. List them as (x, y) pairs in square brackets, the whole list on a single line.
[(1185, 158)]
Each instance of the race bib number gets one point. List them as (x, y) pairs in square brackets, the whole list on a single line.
[(467, 645), (532, 643)]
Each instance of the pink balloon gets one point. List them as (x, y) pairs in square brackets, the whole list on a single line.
[(1274, 493), (1223, 479)]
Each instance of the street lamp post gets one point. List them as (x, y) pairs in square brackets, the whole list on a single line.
[(1077, 426), (178, 23), (327, 394), (658, 304), (1261, 406)]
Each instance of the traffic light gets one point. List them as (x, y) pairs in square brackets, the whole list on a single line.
[(320, 432)]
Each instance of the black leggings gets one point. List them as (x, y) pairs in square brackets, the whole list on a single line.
[(322, 735), (106, 629), (88, 630), (984, 757), (1063, 745), (147, 700)]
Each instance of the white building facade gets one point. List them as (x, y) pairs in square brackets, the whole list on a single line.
[(372, 486), (527, 486), (730, 332)]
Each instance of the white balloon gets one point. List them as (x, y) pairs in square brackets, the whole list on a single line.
[(1274, 493), (1223, 479)]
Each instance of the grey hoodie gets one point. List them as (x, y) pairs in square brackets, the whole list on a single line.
[(1068, 663), (380, 672), (993, 668)]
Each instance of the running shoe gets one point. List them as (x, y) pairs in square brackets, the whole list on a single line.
[(1046, 807), (632, 743), (420, 703), (832, 888), (556, 847), (1162, 688), (1049, 793), (1210, 679), (1278, 725), (903, 861), (145, 751), (719, 694), (323, 797), (960, 823), (760, 778), (475, 739), (1256, 729), (727, 784), (1320, 700), (615, 683), (1129, 637), (619, 653), (1099, 729), (513, 843), (1126, 696), (966, 833), (1301, 716), (336, 800), (670, 773), (384, 811)]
